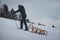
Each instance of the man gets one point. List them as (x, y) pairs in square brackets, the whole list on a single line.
[(23, 14)]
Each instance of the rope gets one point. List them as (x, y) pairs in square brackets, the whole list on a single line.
[(16, 24)]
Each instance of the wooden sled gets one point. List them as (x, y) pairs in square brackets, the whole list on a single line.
[(36, 30)]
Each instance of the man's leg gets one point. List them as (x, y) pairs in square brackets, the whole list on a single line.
[(24, 20), (21, 24)]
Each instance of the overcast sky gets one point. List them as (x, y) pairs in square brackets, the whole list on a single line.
[(44, 11)]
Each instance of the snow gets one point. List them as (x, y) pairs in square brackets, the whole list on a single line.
[(8, 31)]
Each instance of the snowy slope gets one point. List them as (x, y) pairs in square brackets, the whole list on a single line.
[(8, 31)]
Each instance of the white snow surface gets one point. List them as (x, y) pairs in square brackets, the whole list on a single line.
[(8, 31)]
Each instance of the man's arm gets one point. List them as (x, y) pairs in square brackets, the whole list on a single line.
[(16, 11)]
